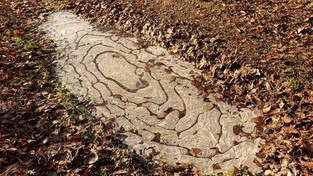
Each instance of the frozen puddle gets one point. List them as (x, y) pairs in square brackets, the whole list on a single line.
[(149, 93)]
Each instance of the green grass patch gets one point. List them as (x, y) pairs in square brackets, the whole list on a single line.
[(29, 45), (211, 5), (69, 102), (17, 39)]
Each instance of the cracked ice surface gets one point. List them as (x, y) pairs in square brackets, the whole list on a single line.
[(149, 93)]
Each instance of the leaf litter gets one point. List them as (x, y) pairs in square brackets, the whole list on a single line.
[(43, 129), (253, 53)]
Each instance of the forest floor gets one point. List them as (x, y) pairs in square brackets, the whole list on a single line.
[(252, 53)]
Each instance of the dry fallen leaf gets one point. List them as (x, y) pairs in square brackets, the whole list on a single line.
[(287, 119), (203, 63), (257, 162), (76, 137), (307, 164), (196, 151), (216, 166), (180, 167), (267, 109), (289, 129), (94, 158)]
